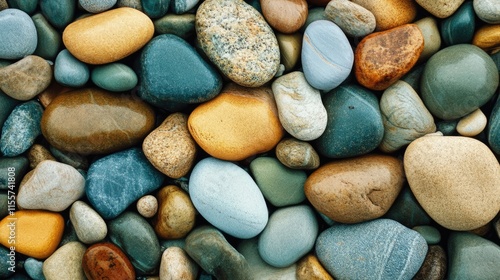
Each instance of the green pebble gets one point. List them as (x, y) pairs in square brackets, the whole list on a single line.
[(49, 39), (114, 77), (430, 234), (27, 6), (180, 25)]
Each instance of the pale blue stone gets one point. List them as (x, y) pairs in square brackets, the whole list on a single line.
[(18, 36), (97, 6), (182, 6), (33, 268), (327, 56), (114, 77), (70, 71)]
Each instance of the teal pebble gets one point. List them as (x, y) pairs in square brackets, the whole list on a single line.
[(407, 210), (27, 6), (155, 8), (20, 164), (70, 71), (78, 161), (49, 39), (180, 25), (114, 77), (459, 27), (494, 128), (33, 268), (413, 77), (429, 233), (59, 13), (7, 104), (448, 128), (4, 205), (4, 263), (17, 34)]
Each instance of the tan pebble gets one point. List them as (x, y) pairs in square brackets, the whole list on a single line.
[(353, 19), (176, 264), (309, 268), (176, 213), (38, 153), (390, 13), (297, 154), (432, 38), (65, 263), (290, 48), (147, 206), (472, 124), (3, 5), (285, 16), (488, 38), (440, 8)]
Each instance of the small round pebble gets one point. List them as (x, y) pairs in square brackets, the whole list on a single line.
[(297, 154), (176, 264), (69, 71), (472, 124), (286, 16), (353, 19), (147, 206), (309, 267), (107, 261), (114, 77), (34, 268)]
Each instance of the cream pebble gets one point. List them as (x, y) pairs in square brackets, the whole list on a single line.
[(147, 206), (472, 124)]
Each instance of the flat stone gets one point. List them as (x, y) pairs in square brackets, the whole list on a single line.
[(353, 19), (69, 71), (21, 129), (34, 268), (407, 211), (113, 122), (52, 186), (440, 8), (147, 206), (384, 57), (472, 124), (354, 125), (137, 239), (176, 264), (58, 13), (297, 154), (228, 198), (182, 6), (38, 232), (488, 10), (25, 78), (459, 182), (404, 115), (154, 8), (210, 249), (176, 213), (280, 185), (108, 36), (390, 13), (88, 224), (240, 122), (96, 6), (431, 234), (179, 75), (359, 251), (300, 109), (65, 263), (107, 261), (309, 267), (19, 165), (114, 77), (170, 148), (288, 236), (290, 49), (180, 25), (239, 41), (457, 80), (18, 34), (487, 38), (459, 27), (434, 266), (355, 190), (327, 56), (432, 37), (283, 15), (116, 181)]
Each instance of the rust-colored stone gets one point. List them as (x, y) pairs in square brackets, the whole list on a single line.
[(107, 261)]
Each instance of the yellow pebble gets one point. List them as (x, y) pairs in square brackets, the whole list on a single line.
[(488, 38)]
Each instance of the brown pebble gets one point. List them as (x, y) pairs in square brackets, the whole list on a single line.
[(176, 264), (285, 16), (390, 13), (176, 213), (309, 268), (297, 154), (434, 266), (3, 5), (38, 153), (107, 261)]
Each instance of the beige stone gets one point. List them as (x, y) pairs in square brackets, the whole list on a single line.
[(353, 19), (440, 8), (432, 38), (147, 206), (290, 48), (286, 16), (297, 154), (472, 124), (176, 214), (309, 268), (38, 153), (65, 263), (390, 13), (89, 226), (176, 264)]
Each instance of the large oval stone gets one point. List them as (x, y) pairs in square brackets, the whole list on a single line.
[(455, 179), (457, 80), (238, 40), (94, 121), (108, 36), (18, 34), (355, 190)]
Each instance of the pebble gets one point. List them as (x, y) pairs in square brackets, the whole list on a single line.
[(239, 41), (300, 109), (135, 4), (228, 198), (107, 261), (18, 33), (440, 8), (108, 36), (147, 206), (176, 264), (214, 254), (48, 38), (431, 234), (472, 124), (38, 232), (180, 25), (20, 165), (34, 269), (353, 19), (176, 213), (309, 267), (290, 48), (493, 128), (5, 263), (434, 266), (25, 78), (296, 154), (360, 251), (283, 15), (459, 27), (357, 189), (76, 160), (170, 148), (65, 263), (465, 179), (21, 129), (179, 75), (7, 104), (288, 236), (315, 13), (38, 153), (487, 10), (96, 6), (327, 57), (182, 6), (407, 211), (137, 239), (281, 186), (27, 6), (113, 122), (52, 186), (354, 125), (155, 8), (117, 180), (240, 122), (457, 80), (390, 13), (487, 38), (69, 71), (384, 57), (89, 226), (432, 38), (472, 257), (114, 77), (58, 13), (404, 115)]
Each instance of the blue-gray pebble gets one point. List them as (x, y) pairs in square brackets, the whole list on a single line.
[(494, 128), (70, 71), (59, 13), (361, 251), (155, 8), (7, 104), (117, 180), (49, 39), (459, 27), (114, 77), (96, 6), (5, 263), (27, 6), (21, 128), (407, 210), (33, 268), (182, 6), (17, 33)]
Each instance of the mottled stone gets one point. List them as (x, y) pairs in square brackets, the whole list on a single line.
[(407, 211), (176, 264), (290, 48), (353, 19), (19, 165), (49, 39), (240, 122), (135, 4), (155, 8), (112, 122), (182, 6), (147, 206), (25, 78), (18, 34), (309, 268), (459, 27), (297, 154), (38, 153), (434, 266), (404, 115), (170, 147), (69, 71), (440, 8), (494, 128), (238, 41), (58, 13), (355, 190), (180, 25), (96, 6), (487, 38), (384, 57), (472, 124), (300, 109), (432, 38), (65, 263), (455, 179), (88, 224), (109, 36), (390, 13), (107, 261), (114, 77), (488, 10), (286, 16), (210, 249)]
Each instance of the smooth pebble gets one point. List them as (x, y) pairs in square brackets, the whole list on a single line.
[(147, 206), (65, 263), (353, 19), (18, 33), (472, 124), (297, 154), (88, 224), (69, 71)]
